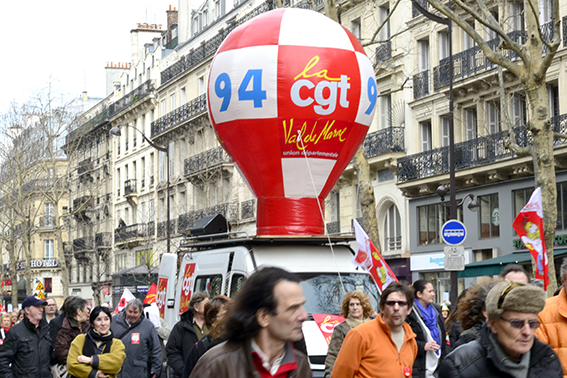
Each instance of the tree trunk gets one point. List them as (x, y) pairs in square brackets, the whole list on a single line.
[(13, 272), (366, 197)]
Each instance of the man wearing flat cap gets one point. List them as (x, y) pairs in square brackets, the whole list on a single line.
[(507, 346), (26, 351)]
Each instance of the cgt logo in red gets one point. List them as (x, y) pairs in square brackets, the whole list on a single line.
[(186, 286), (160, 298)]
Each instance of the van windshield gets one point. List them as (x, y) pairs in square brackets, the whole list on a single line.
[(323, 291)]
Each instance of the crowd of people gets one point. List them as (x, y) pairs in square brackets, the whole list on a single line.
[(501, 327)]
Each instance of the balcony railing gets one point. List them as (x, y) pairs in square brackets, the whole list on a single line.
[(186, 221), (415, 12), (384, 52), (84, 166), (182, 114), (248, 209), (333, 227), (103, 240), (82, 202), (390, 139), (421, 84), (132, 97), (85, 243), (205, 160), (130, 187), (162, 228), (564, 31), (473, 60), (482, 150), (132, 232), (87, 126)]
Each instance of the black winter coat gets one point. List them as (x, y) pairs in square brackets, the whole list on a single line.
[(27, 350), (182, 338), (477, 360), (418, 370)]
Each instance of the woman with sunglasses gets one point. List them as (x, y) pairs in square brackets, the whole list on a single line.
[(507, 346), (429, 326)]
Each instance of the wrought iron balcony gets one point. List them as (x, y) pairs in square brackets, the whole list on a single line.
[(415, 12), (162, 228), (180, 115), (471, 153), (76, 134), (134, 232), (248, 209), (84, 166), (421, 84), (564, 23), (186, 221), (103, 240), (86, 243), (471, 61), (132, 97), (390, 139), (333, 227), (82, 202), (47, 221), (384, 52), (130, 187), (205, 160)]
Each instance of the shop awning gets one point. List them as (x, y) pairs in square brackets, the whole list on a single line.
[(493, 267)]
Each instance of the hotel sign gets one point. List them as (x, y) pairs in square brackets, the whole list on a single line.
[(38, 264)]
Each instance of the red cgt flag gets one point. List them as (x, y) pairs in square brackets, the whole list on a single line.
[(529, 226), (151, 295), (368, 257)]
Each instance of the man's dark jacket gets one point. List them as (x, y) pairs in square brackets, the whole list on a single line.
[(478, 359), (418, 370), (28, 349), (182, 338)]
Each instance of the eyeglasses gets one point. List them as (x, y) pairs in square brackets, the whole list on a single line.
[(511, 286), (393, 303), (519, 324)]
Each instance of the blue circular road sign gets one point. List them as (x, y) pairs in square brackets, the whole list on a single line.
[(453, 232)]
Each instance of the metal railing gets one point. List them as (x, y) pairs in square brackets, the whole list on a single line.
[(384, 52), (333, 227), (84, 201), (130, 187), (248, 209), (85, 243), (421, 84), (205, 160), (135, 95), (103, 240), (180, 115), (390, 139), (132, 232), (84, 166)]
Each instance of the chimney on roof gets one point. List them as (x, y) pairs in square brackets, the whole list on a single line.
[(85, 96), (171, 19)]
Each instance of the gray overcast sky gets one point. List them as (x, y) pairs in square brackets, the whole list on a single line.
[(69, 41)]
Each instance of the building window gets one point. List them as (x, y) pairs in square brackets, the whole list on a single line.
[(553, 94), (145, 257), (491, 34), (518, 110), (471, 123), (423, 48), (493, 116), (385, 111), (334, 206), (48, 249), (393, 229), (445, 131), (425, 128), (489, 216), (183, 96), (443, 39), (48, 214), (48, 283), (120, 262), (517, 16), (561, 206), (431, 219), (172, 102), (355, 28), (201, 85)]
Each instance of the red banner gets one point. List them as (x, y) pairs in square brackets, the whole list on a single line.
[(186, 287), (151, 295), (160, 298), (327, 324), (368, 257), (529, 226)]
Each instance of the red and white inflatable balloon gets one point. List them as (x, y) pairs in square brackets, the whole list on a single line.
[(291, 95)]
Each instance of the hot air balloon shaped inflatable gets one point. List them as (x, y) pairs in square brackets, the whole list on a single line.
[(291, 95)]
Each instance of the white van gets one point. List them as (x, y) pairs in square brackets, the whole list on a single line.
[(220, 266)]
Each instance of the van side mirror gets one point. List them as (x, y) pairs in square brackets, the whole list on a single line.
[(170, 303)]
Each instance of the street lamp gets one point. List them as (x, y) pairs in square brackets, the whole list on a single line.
[(116, 131), (472, 206)]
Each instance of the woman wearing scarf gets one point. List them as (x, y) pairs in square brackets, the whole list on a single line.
[(6, 324), (427, 323), (96, 353)]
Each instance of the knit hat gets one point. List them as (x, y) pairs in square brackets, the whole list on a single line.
[(514, 296)]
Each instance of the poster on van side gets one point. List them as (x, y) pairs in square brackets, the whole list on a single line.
[(160, 299), (186, 286)]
